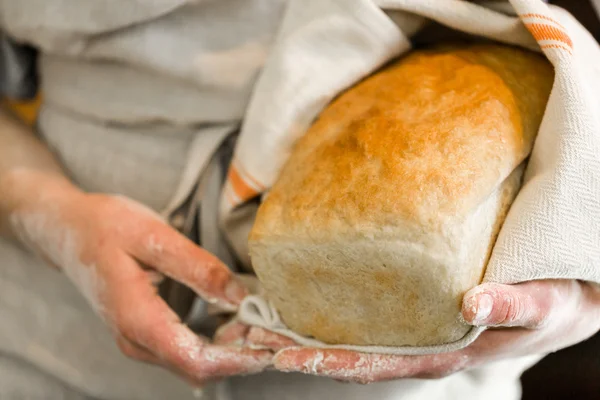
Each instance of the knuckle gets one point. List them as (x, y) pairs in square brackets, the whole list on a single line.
[(534, 311), (124, 324), (519, 308), (234, 334), (154, 247), (127, 349), (257, 335), (513, 309), (126, 330)]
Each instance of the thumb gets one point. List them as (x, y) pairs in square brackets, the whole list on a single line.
[(526, 305)]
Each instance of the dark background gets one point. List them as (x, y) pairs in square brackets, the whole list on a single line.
[(572, 373)]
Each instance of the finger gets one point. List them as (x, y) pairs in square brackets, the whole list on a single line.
[(135, 352), (155, 278), (498, 344), (231, 334), (527, 305), (173, 254), (238, 334), (180, 347), (150, 323), (366, 368), (261, 338)]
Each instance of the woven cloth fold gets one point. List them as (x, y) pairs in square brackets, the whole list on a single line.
[(324, 46)]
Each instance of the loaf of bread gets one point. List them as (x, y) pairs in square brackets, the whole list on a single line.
[(387, 210)]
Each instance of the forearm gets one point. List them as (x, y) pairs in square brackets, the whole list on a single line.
[(25, 163)]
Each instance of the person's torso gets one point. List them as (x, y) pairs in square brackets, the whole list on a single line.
[(128, 86)]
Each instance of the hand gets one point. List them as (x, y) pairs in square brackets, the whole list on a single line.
[(115, 251), (535, 318)]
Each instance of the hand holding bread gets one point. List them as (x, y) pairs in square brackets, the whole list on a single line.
[(381, 224), (537, 317)]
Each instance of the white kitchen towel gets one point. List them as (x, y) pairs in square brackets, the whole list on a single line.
[(325, 46)]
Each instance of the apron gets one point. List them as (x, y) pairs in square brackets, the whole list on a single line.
[(158, 128)]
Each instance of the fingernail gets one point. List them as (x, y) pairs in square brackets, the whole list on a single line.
[(485, 303), (235, 291)]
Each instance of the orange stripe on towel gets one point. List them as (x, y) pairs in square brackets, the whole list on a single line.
[(541, 16), (548, 32), (240, 187), (556, 46), (244, 173)]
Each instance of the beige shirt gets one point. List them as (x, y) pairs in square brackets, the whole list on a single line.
[(138, 95)]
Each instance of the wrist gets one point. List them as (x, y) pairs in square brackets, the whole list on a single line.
[(27, 190)]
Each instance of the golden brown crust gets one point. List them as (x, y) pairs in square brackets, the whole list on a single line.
[(386, 211), (429, 136)]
